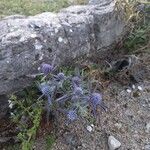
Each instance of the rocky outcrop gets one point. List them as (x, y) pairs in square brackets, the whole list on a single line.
[(4, 109), (77, 31)]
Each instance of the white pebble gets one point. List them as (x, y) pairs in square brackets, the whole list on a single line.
[(37, 45), (89, 128), (11, 30), (92, 125), (41, 57), (129, 91), (33, 35), (10, 105), (71, 30), (9, 101), (11, 114), (60, 39), (45, 41), (133, 86), (39, 68), (140, 88), (113, 143)]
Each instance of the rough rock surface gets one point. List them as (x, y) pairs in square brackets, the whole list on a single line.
[(26, 42), (3, 106)]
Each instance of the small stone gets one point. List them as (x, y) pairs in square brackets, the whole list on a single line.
[(9, 101), (38, 45), (41, 57), (133, 86), (92, 125), (147, 128), (129, 91), (89, 128), (11, 114), (60, 39), (10, 105), (140, 88), (71, 30), (33, 35), (113, 143)]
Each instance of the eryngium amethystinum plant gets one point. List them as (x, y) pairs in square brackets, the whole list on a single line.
[(68, 93)]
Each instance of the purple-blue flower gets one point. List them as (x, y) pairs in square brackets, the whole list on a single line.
[(46, 91), (60, 76), (72, 115), (78, 91), (76, 81), (46, 68), (96, 99)]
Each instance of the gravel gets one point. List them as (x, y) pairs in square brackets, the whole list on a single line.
[(127, 120)]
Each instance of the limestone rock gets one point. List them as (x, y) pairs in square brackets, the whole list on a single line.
[(4, 107), (78, 31)]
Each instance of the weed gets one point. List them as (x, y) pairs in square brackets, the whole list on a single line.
[(27, 117), (136, 17), (138, 39), (67, 94)]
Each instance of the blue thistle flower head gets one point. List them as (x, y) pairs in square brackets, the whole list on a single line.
[(76, 81), (72, 115), (96, 98), (46, 68), (78, 91), (45, 89), (60, 76)]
